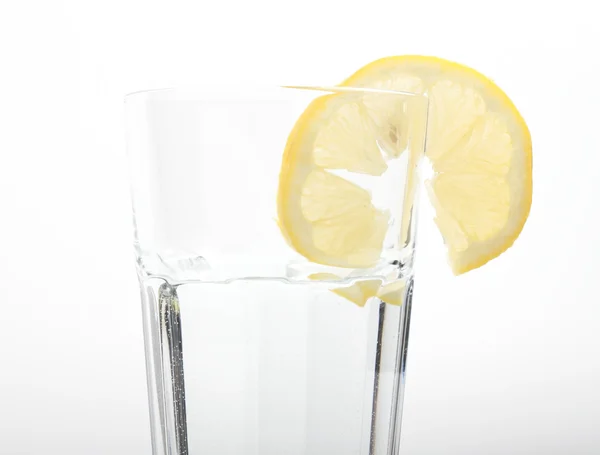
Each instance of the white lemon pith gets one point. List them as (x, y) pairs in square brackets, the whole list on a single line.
[(477, 142)]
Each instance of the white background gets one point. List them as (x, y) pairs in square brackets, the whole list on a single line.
[(503, 360)]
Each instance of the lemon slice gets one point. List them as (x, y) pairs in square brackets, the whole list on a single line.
[(359, 292), (480, 150), (477, 142)]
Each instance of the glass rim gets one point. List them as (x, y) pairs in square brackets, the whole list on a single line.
[(200, 92)]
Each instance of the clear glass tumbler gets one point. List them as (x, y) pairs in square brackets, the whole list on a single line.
[(272, 324)]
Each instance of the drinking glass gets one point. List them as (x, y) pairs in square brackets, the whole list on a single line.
[(251, 347)]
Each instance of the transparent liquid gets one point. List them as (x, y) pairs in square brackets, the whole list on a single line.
[(272, 367)]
